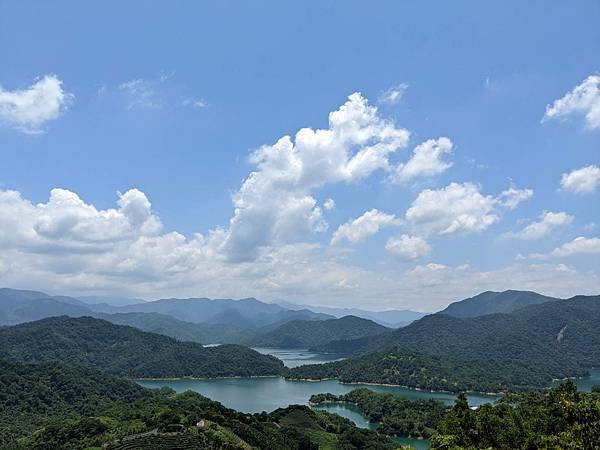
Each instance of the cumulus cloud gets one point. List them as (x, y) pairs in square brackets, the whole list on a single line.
[(583, 99), (364, 226), (65, 223), (512, 197), (425, 161), (66, 245), (274, 203), (408, 247), (457, 208), (547, 223), (329, 204), (394, 94), (579, 245), (581, 181), (28, 110)]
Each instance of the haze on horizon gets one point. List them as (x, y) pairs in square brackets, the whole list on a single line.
[(279, 153)]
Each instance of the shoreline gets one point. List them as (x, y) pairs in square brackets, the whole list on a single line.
[(366, 383), (314, 380), (233, 377)]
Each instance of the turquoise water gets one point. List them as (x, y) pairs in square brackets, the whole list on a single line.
[(353, 413), (269, 393), (266, 394), (297, 357), (585, 384)]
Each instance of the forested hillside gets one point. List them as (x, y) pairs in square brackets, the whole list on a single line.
[(305, 333), (126, 351), (393, 414), (495, 302), (418, 370), (545, 341), (50, 406), (204, 333)]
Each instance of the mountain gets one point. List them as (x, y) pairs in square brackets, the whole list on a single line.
[(183, 331), (495, 302), (50, 406), (244, 313), (541, 342), (304, 334), (109, 301), (126, 351), (391, 318), (18, 306)]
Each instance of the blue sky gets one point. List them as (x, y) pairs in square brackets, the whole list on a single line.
[(172, 101)]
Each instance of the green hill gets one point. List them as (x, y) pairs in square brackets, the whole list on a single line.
[(204, 333), (307, 333), (126, 351), (529, 347), (50, 406), (495, 302)]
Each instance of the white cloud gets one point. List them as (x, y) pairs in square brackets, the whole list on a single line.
[(583, 99), (65, 223), (547, 223), (68, 246), (408, 247), (512, 197), (425, 161), (28, 110), (364, 226), (454, 209), (196, 103), (274, 203), (581, 181), (579, 245), (394, 94), (141, 93), (329, 204)]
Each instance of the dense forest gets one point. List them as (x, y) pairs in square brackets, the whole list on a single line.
[(50, 406), (490, 302), (528, 348), (395, 415), (204, 333), (561, 418), (417, 370), (126, 351), (308, 333)]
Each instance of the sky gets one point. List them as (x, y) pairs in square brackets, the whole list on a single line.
[(382, 155)]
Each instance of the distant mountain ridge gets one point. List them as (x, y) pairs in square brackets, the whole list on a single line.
[(491, 302), (391, 318), (18, 306), (303, 334)]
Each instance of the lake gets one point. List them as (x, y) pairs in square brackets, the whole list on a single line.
[(266, 394)]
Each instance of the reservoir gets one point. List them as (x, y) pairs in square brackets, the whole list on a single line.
[(253, 395)]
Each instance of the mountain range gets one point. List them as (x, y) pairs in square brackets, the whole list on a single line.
[(531, 346)]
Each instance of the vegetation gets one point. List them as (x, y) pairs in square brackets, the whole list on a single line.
[(525, 349), (561, 418), (417, 370), (126, 351), (495, 302), (307, 333), (184, 331), (395, 415), (50, 406)]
